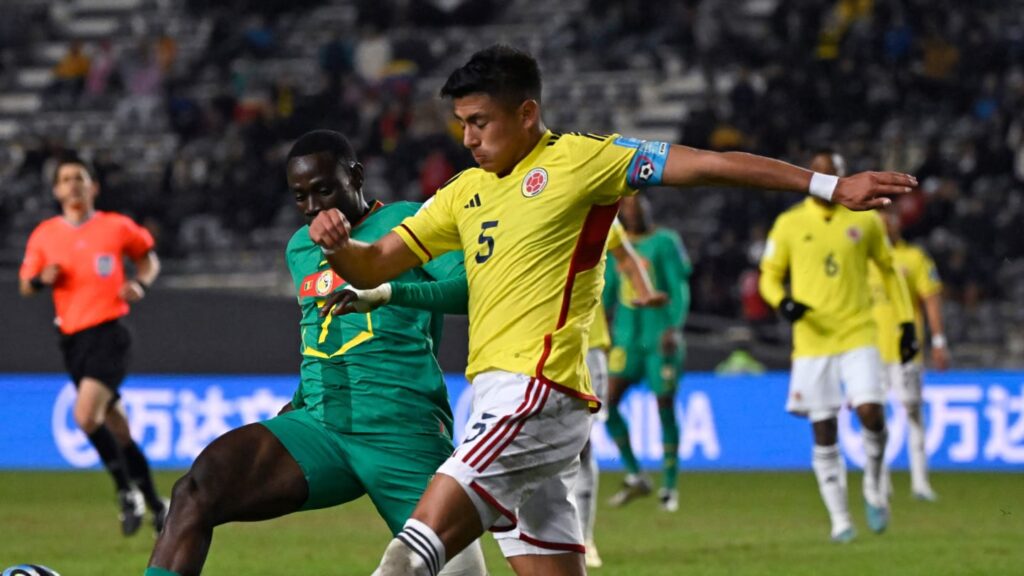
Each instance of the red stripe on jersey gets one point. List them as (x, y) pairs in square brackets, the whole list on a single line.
[(586, 255), (574, 393), (522, 422), (418, 243), (498, 433), (578, 548)]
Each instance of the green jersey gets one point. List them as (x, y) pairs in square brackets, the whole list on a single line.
[(374, 372), (669, 268)]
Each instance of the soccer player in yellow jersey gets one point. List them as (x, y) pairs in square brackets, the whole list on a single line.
[(600, 341), (824, 249), (532, 222), (905, 379)]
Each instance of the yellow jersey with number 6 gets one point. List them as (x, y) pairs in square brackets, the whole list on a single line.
[(534, 244), (825, 250)]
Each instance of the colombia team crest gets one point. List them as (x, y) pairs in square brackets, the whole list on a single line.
[(535, 182), (854, 234)]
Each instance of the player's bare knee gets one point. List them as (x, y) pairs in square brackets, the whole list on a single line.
[(87, 420), (192, 502), (826, 432), (871, 416)]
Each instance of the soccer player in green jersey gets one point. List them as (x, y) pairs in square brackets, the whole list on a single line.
[(370, 415), (648, 344)]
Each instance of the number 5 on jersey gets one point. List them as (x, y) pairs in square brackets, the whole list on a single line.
[(486, 241)]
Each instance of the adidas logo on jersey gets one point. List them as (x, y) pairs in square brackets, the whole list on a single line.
[(474, 202)]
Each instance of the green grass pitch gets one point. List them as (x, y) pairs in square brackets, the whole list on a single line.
[(729, 524)]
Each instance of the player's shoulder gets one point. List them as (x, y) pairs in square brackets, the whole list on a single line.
[(299, 241), (47, 225), (794, 213), (113, 218), (584, 143), (400, 209), (460, 180)]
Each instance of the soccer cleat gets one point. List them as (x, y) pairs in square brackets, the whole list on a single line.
[(878, 517), (133, 507), (160, 516), (633, 487), (592, 558), (845, 536), (926, 495), (669, 499)]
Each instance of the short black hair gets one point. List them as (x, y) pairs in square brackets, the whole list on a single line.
[(502, 72), (328, 141), (73, 158)]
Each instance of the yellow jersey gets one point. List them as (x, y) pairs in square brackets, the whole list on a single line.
[(534, 244), (825, 251), (922, 278), (600, 337)]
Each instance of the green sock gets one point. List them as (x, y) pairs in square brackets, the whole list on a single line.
[(670, 447), (154, 571), (619, 431)]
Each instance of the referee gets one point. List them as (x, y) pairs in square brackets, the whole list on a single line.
[(79, 255)]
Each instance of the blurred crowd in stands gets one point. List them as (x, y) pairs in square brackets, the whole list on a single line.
[(931, 87)]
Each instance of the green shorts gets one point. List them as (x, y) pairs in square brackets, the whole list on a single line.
[(635, 363), (393, 469)]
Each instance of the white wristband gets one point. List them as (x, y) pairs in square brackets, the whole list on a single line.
[(938, 341), (326, 251), (823, 185)]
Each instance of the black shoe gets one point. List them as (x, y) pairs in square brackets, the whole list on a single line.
[(132, 508), (160, 516)]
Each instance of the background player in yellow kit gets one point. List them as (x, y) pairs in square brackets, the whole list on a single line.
[(824, 249), (922, 278), (533, 223)]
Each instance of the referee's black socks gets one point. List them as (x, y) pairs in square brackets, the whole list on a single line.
[(110, 453), (138, 470)]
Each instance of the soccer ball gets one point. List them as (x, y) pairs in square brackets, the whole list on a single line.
[(30, 570)]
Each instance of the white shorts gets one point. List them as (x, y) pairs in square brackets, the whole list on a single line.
[(597, 364), (814, 385), (519, 462), (904, 380)]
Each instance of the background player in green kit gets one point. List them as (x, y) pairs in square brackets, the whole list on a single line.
[(370, 415), (648, 344)]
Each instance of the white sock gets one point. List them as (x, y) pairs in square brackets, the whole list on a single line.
[(876, 477), (415, 551), (469, 562), (830, 470), (585, 492), (915, 450)]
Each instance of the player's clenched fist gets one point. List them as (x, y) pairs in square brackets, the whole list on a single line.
[(869, 190), (330, 230)]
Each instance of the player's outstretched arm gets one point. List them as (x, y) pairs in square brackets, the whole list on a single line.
[(687, 166), (362, 265), (636, 273)]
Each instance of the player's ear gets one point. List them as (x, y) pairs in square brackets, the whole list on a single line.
[(529, 113), (356, 172)]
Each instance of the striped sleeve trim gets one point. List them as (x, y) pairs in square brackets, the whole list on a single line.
[(414, 243)]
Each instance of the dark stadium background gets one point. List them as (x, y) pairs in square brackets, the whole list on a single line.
[(190, 106), (188, 109)]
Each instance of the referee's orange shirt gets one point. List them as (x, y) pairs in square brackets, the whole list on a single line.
[(90, 256)]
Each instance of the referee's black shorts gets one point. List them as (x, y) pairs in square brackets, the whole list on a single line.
[(99, 352)]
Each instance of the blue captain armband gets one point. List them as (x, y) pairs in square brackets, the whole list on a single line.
[(648, 164)]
